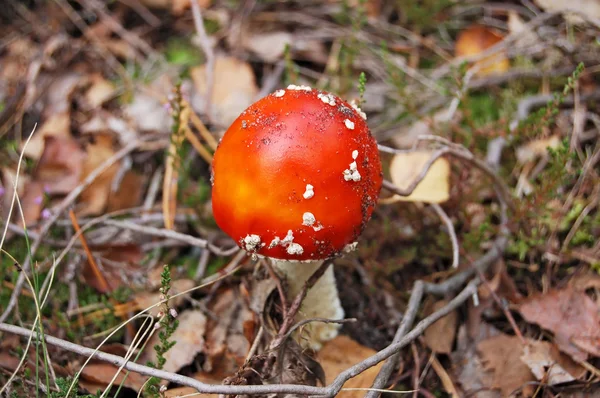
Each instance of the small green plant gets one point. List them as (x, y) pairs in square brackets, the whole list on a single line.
[(362, 87), (531, 126), (291, 69), (167, 325), (64, 390)]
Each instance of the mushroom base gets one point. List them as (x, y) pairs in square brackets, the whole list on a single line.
[(321, 301)]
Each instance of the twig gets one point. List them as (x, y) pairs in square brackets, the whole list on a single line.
[(328, 391), (409, 316), (56, 212), (204, 133), (101, 279), (202, 264), (453, 283), (171, 234), (448, 222), (208, 53), (506, 312)]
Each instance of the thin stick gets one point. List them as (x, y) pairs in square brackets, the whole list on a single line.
[(103, 283), (451, 231), (189, 135), (204, 133)]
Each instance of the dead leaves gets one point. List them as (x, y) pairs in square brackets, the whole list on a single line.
[(475, 40), (573, 318), (189, 338), (440, 336), (341, 353), (501, 355), (407, 167), (60, 166), (234, 88)]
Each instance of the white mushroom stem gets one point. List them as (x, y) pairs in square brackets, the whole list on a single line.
[(321, 301)]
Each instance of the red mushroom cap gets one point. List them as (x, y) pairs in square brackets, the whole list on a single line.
[(296, 176)]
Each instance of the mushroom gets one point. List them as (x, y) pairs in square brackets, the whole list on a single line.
[(295, 179)]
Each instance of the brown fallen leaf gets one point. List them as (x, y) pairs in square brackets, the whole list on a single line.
[(501, 355), (60, 166), (94, 198), (100, 91), (234, 88), (467, 366), (474, 40), (548, 364), (128, 194), (57, 125), (338, 355), (589, 8), (189, 336), (439, 337), (571, 315), (146, 299), (148, 113), (98, 374), (227, 306), (32, 202), (434, 188)]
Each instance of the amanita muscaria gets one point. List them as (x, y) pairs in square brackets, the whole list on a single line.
[(295, 179)]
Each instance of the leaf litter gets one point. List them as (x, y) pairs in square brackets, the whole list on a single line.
[(99, 94)]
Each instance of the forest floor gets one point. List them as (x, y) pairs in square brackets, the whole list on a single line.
[(477, 276)]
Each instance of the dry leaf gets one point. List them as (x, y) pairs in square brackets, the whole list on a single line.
[(341, 353), (148, 113), (589, 8), (549, 365), (439, 337), (583, 281), (227, 307), (536, 148), (100, 91), (32, 202), (57, 125), (189, 336), (95, 197), (434, 188), (9, 177), (99, 374), (571, 315), (145, 299), (268, 46), (476, 39), (215, 377), (59, 94), (467, 365), (60, 165), (501, 355), (128, 194), (120, 266), (525, 36), (234, 88)]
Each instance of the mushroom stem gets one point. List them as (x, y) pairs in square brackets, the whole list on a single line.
[(321, 301)]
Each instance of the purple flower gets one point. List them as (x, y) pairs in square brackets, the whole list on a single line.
[(38, 200), (2, 191), (46, 214)]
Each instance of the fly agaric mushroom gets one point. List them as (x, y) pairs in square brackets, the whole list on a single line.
[(295, 179)]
